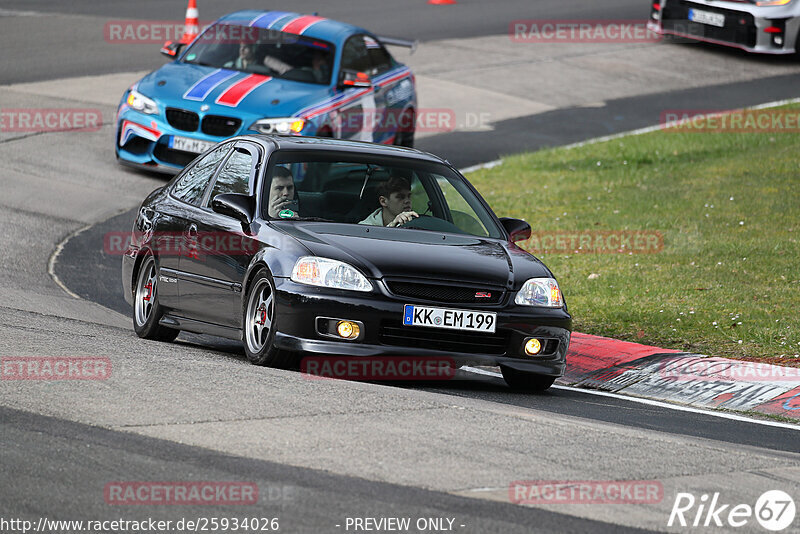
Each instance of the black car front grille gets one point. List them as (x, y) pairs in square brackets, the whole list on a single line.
[(739, 27), (444, 293), (220, 126), (395, 334), (180, 119)]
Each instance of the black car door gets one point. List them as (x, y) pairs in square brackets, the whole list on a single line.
[(218, 250), (185, 196)]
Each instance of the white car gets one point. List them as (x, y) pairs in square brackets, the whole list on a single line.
[(763, 26)]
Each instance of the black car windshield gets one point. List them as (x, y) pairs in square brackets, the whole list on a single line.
[(393, 193), (261, 51)]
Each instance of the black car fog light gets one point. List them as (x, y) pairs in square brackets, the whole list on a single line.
[(341, 329), (348, 329), (533, 347)]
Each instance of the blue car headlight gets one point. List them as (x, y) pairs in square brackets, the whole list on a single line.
[(282, 126), (139, 102), (542, 292)]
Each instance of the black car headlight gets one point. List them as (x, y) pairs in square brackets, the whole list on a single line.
[(542, 292), (325, 272)]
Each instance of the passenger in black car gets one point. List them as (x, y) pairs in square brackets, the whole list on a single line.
[(394, 196)]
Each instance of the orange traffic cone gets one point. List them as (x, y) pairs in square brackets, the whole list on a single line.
[(192, 27)]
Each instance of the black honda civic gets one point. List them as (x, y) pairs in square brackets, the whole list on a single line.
[(341, 249)]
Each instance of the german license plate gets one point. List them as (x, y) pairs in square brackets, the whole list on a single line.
[(707, 17), (187, 144), (474, 321)]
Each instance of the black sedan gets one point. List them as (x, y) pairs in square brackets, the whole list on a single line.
[(337, 249)]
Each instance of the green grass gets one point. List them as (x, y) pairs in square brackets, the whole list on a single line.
[(727, 281)]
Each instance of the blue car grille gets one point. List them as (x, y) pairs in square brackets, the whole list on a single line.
[(176, 157), (180, 119), (221, 126)]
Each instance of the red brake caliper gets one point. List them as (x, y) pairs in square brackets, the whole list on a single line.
[(262, 315), (149, 288)]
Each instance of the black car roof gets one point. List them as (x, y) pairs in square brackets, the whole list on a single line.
[(283, 142)]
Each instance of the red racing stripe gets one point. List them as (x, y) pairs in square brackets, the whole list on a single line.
[(299, 25), (336, 105), (238, 91), (394, 79)]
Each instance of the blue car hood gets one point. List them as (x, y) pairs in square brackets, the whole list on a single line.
[(170, 84)]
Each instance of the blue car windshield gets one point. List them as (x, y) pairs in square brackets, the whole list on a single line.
[(262, 51)]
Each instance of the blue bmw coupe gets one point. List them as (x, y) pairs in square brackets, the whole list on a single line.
[(266, 72)]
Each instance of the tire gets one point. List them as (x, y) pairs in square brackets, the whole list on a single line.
[(522, 381), (259, 323), (796, 55), (402, 138), (147, 312)]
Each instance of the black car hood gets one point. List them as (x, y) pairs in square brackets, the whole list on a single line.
[(388, 252)]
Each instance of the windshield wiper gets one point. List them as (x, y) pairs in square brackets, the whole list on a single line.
[(312, 219), (202, 64)]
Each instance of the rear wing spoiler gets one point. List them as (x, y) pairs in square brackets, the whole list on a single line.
[(391, 41)]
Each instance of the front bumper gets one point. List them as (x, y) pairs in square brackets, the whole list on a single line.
[(300, 308), (144, 141), (747, 27)]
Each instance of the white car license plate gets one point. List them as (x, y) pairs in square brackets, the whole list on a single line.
[(707, 17), (447, 318), (189, 145)]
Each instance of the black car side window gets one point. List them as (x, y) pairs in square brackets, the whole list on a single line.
[(191, 187), (235, 175), (354, 55)]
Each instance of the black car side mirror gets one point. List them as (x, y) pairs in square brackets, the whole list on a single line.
[(518, 230), (171, 49), (240, 207)]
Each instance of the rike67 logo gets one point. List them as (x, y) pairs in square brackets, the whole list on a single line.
[(774, 510)]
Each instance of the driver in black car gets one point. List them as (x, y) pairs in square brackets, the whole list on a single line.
[(394, 197), (282, 203)]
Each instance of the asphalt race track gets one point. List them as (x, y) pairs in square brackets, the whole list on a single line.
[(323, 451)]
